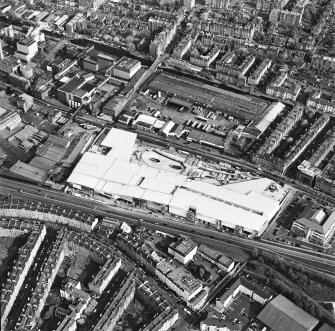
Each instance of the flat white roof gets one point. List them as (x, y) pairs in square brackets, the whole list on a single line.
[(251, 200), (249, 204), (158, 185), (210, 210), (121, 142), (261, 186)]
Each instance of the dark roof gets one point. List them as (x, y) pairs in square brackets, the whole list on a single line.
[(282, 314), (180, 102), (206, 137)]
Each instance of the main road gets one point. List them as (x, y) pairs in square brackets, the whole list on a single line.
[(27, 191)]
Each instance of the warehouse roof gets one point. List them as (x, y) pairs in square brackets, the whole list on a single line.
[(116, 175), (126, 64), (28, 171), (121, 142), (282, 314), (205, 137)]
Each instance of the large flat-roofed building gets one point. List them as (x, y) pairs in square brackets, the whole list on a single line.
[(79, 90), (282, 314), (250, 205), (30, 172), (26, 49), (179, 280), (126, 68)]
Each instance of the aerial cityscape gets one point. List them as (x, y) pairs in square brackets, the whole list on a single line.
[(167, 165)]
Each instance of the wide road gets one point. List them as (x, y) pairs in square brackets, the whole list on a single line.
[(214, 238)]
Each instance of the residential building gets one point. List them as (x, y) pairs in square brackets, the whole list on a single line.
[(9, 65), (285, 16), (183, 250), (218, 4), (19, 272), (115, 309), (25, 102), (247, 287), (35, 304), (323, 62), (105, 275), (178, 280), (325, 105), (220, 260), (325, 181), (258, 74)]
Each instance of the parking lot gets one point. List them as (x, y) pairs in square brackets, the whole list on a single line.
[(148, 106), (242, 310)]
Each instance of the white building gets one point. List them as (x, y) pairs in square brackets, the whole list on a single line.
[(183, 250), (126, 68), (250, 205), (26, 49)]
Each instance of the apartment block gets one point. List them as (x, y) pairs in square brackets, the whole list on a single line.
[(249, 288), (105, 275), (32, 210), (183, 250), (325, 181), (258, 74), (34, 307), (116, 308), (16, 278), (326, 106), (281, 131), (179, 280)]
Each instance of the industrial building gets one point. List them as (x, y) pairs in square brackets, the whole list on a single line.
[(10, 121), (126, 68), (250, 205), (282, 314)]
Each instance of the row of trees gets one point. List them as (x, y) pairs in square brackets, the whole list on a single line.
[(300, 299), (297, 272)]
